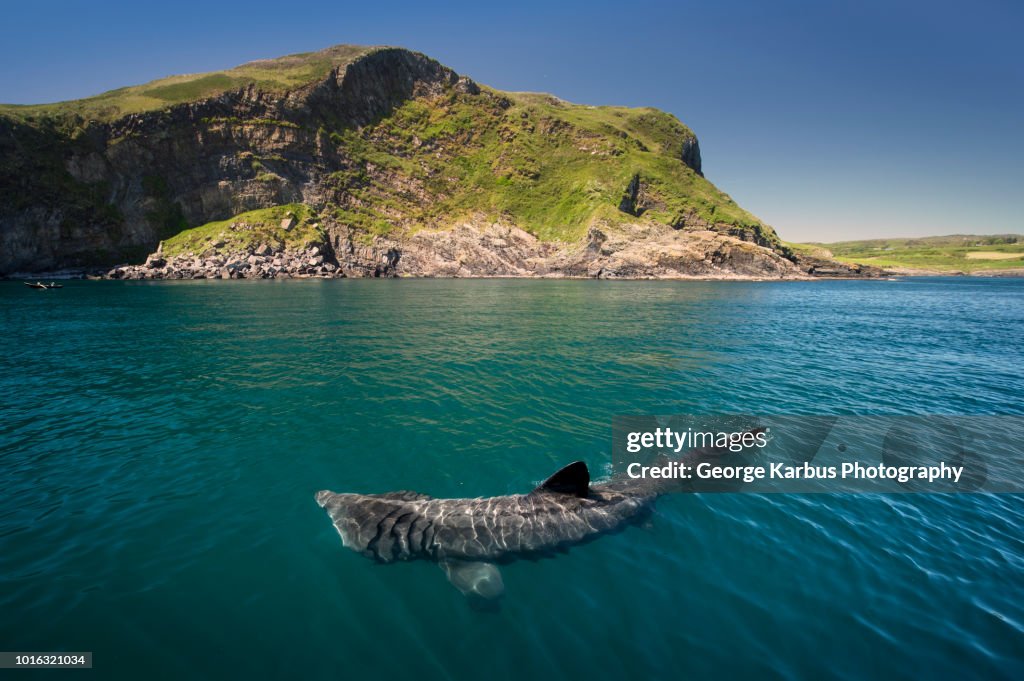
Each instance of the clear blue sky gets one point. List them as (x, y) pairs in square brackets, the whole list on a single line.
[(830, 120)]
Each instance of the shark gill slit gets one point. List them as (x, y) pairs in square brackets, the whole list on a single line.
[(374, 544)]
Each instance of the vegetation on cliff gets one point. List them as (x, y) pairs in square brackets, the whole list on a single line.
[(551, 167), (377, 141), (292, 226)]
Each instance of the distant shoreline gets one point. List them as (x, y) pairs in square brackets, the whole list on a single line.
[(99, 275), (992, 255), (911, 272)]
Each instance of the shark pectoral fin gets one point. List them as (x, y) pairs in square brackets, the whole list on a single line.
[(473, 578)]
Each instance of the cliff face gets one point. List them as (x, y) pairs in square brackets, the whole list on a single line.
[(82, 192), (401, 165)]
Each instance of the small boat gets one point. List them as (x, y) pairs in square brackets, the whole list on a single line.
[(41, 285)]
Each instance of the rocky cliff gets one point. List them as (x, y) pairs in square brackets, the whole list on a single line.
[(364, 162)]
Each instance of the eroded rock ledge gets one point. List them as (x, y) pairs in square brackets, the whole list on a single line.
[(642, 251)]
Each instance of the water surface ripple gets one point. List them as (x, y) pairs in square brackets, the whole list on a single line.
[(160, 444)]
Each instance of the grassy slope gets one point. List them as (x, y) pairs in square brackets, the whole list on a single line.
[(551, 167), (940, 254), (253, 227), (272, 75)]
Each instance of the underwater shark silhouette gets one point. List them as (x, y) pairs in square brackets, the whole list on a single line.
[(468, 538)]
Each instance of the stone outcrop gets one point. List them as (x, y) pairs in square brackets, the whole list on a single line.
[(642, 251), (263, 263), (691, 154), (819, 266)]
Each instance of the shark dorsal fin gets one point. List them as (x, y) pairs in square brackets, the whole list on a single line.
[(573, 479)]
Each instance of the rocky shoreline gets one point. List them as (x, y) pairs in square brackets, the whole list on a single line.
[(491, 250), (262, 262), (294, 267)]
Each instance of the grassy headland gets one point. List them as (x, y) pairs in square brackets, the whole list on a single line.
[(365, 152)]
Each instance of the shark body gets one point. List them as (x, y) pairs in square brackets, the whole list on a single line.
[(469, 538)]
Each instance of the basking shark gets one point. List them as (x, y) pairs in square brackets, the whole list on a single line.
[(469, 538)]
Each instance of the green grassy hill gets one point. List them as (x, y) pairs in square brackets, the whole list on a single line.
[(397, 144)]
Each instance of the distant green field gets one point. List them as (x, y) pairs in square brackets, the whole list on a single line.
[(955, 253)]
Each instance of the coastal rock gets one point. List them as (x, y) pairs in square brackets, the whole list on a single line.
[(823, 267), (480, 248)]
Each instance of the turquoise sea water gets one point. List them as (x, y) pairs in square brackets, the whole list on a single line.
[(160, 444)]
